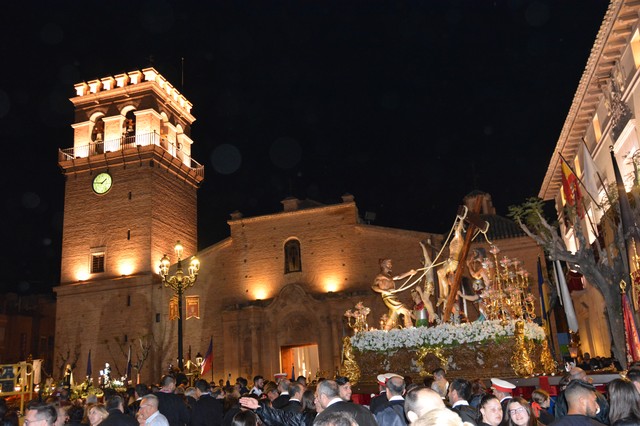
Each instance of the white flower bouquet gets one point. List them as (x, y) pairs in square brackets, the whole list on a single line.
[(441, 335)]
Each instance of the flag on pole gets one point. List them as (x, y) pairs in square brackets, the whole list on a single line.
[(128, 374), (571, 189), (89, 372), (207, 364), (293, 373), (569, 184), (589, 172), (632, 341), (572, 320)]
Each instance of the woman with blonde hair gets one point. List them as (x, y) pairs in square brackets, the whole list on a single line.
[(97, 414)]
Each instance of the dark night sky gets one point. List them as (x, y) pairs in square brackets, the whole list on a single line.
[(408, 105)]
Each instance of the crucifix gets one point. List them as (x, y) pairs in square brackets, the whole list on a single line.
[(475, 222)]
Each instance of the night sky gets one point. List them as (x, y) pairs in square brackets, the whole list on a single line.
[(407, 105)]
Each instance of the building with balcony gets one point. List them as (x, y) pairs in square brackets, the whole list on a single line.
[(603, 115)]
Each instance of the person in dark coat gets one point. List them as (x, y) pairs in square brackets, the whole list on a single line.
[(207, 410), (295, 400), (172, 406), (283, 398), (117, 417), (328, 401), (392, 413), (458, 394)]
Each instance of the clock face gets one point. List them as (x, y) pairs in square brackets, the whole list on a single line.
[(102, 183)]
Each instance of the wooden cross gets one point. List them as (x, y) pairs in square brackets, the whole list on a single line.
[(474, 221)]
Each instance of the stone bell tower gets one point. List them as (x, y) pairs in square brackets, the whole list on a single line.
[(130, 194)]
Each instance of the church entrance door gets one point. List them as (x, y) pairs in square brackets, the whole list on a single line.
[(303, 360)]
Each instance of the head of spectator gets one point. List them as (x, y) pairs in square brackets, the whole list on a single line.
[(295, 391), (302, 380), (283, 386), (62, 415), (242, 382), (634, 375), (308, 401), (344, 388), (581, 398), (271, 390), (97, 414), (540, 400), (439, 417), (624, 401), (501, 388), (326, 391), (202, 387), (258, 382), (75, 413), (577, 373), (427, 381), (340, 418), (420, 401), (217, 392), (245, 418), (168, 384), (191, 393), (395, 387), (519, 413), (439, 374), (490, 410), (40, 414), (141, 390), (541, 397), (459, 390), (148, 407), (115, 402)]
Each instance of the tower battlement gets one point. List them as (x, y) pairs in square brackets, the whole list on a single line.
[(134, 78)]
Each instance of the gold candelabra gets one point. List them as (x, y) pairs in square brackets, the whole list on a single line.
[(506, 295), (357, 319)]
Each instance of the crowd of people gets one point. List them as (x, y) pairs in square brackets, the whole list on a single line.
[(400, 402)]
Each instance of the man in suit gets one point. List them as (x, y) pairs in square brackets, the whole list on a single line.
[(140, 390), (459, 394), (392, 413), (283, 398), (381, 398), (170, 405), (117, 417), (328, 402), (295, 400), (207, 410)]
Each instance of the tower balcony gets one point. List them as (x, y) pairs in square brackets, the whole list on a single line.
[(127, 148)]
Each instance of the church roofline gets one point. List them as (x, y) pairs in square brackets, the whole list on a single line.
[(308, 210)]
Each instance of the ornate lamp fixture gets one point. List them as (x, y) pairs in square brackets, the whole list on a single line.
[(179, 283)]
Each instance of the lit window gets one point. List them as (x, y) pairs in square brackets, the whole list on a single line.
[(97, 263), (292, 259)]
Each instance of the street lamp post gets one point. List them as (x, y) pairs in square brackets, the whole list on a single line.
[(179, 283)]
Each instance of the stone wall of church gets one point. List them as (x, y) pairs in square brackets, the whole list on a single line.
[(243, 278)]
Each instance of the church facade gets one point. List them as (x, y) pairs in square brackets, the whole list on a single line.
[(271, 297)]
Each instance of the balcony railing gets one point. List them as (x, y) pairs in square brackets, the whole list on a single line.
[(128, 142)]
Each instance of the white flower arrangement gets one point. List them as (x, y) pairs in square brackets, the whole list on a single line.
[(441, 335)]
